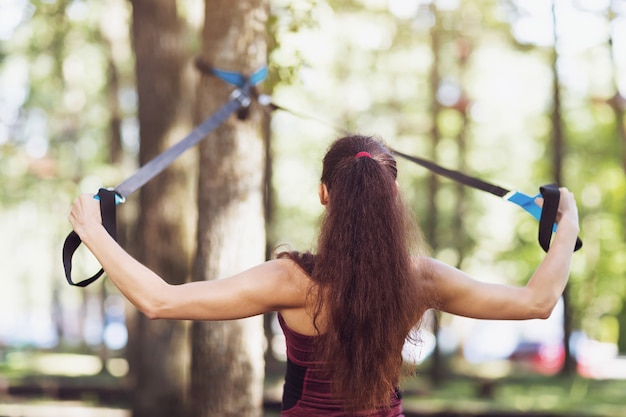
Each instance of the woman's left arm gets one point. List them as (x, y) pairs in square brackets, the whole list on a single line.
[(460, 294), (270, 286)]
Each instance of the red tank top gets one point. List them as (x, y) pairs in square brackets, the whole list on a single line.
[(306, 391)]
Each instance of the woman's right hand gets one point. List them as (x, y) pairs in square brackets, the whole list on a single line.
[(85, 214)]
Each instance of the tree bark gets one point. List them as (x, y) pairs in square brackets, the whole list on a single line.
[(160, 350), (558, 153), (227, 357), (432, 217)]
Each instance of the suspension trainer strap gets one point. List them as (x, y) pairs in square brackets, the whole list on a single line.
[(151, 169), (545, 215), (239, 99), (455, 175), (522, 200), (72, 242)]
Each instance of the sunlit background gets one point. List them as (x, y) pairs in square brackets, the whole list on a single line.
[(365, 66)]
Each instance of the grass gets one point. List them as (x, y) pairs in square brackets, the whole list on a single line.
[(520, 394), (529, 395)]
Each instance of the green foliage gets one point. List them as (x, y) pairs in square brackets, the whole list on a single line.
[(54, 140), (61, 134), (398, 73)]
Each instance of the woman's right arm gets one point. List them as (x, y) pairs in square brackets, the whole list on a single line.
[(271, 286), (460, 294)]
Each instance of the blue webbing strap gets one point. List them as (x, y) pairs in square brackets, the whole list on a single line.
[(526, 202), (239, 80), (236, 79)]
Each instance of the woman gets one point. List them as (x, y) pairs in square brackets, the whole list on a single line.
[(347, 309)]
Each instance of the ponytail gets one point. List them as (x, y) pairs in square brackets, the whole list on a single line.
[(367, 295)]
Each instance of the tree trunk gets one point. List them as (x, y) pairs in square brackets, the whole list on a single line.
[(227, 357), (432, 217), (160, 350), (558, 151)]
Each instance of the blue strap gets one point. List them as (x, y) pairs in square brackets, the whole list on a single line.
[(259, 76), (238, 80), (527, 203)]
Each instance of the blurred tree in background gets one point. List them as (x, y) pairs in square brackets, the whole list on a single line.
[(159, 351), (227, 370)]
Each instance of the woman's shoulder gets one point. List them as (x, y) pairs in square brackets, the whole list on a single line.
[(289, 269), (296, 285), (290, 278), (425, 272), (423, 266)]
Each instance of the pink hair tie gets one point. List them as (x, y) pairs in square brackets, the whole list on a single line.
[(362, 154)]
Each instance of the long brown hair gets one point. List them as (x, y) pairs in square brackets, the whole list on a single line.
[(365, 291)]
